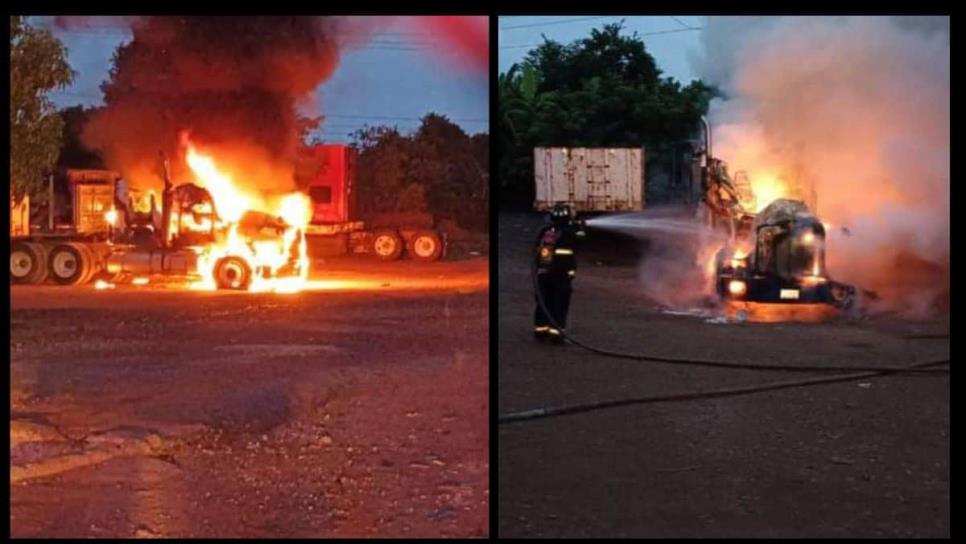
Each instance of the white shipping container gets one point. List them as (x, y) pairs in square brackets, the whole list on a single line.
[(594, 179)]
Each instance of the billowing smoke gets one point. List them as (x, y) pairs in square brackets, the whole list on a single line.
[(235, 83), (467, 38), (858, 108)]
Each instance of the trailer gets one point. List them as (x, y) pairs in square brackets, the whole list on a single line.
[(67, 248), (589, 179), (336, 229)]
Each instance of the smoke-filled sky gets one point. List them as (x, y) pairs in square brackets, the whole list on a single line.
[(394, 76)]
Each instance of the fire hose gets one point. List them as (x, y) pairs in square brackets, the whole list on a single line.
[(854, 373)]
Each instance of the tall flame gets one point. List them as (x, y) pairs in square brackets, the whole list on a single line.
[(229, 200), (767, 189), (276, 264)]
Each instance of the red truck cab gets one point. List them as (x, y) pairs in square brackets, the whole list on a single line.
[(332, 188), (335, 227)]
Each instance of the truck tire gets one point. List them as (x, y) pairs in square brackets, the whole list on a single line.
[(70, 263), (387, 245), (28, 263), (425, 245), (232, 273), (98, 264)]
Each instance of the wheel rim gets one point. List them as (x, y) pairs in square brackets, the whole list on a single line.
[(64, 264), (424, 246), (21, 263), (385, 245), (231, 274)]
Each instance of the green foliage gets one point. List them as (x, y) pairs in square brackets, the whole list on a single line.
[(38, 64), (601, 91), (438, 169)]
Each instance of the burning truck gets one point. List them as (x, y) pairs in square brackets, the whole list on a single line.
[(211, 231), (776, 246), (215, 246), (767, 244)]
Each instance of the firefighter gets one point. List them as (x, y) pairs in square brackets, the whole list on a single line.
[(556, 267)]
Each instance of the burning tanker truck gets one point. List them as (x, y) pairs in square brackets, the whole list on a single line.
[(775, 254)]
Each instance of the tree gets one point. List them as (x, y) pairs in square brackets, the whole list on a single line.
[(438, 169), (73, 153), (383, 173), (38, 64), (604, 90)]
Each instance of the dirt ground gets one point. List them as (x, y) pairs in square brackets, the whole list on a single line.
[(357, 409), (856, 459)]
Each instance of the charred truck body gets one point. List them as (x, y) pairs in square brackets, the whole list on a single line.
[(775, 255), (102, 236), (787, 263), (94, 229)]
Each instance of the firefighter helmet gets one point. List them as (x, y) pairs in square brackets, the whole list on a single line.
[(561, 213)]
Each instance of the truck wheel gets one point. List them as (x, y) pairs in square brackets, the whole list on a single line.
[(387, 245), (28, 263), (95, 262), (70, 263), (232, 273), (425, 245)]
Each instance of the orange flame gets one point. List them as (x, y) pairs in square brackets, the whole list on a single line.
[(767, 188), (276, 265)]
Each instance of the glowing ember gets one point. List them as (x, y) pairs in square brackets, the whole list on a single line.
[(251, 259), (101, 284), (140, 280), (738, 258), (761, 312), (813, 280)]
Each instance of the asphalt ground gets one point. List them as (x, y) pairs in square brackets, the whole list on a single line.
[(357, 408), (867, 458)]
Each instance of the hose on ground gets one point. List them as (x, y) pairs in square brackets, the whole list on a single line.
[(541, 413), (855, 373), (712, 363)]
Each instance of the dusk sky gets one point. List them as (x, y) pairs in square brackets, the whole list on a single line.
[(398, 76), (670, 43)]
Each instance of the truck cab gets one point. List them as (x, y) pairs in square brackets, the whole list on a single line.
[(328, 173)]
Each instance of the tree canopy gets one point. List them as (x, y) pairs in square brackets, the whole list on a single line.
[(604, 90), (438, 169), (38, 64)]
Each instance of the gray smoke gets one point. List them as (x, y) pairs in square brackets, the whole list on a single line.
[(857, 107)]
